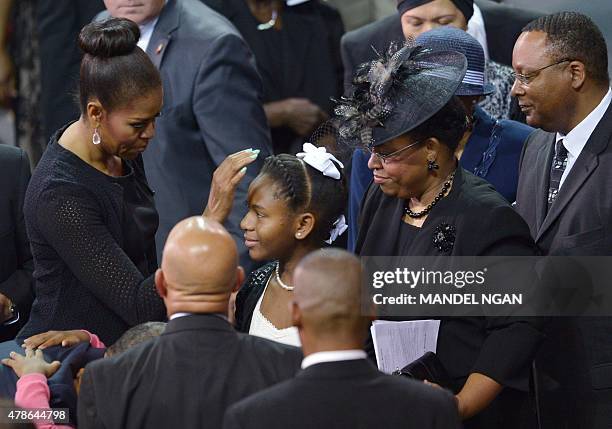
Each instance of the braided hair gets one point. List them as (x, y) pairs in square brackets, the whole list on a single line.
[(306, 189)]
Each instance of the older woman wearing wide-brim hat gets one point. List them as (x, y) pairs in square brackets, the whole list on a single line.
[(490, 148), (422, 203)]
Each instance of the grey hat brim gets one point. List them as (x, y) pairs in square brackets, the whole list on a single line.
[(468, 90)]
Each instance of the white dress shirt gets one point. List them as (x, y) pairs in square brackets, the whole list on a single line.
[(576, 139), (476, 29), (180, 314), (146, 31), (333, 356)]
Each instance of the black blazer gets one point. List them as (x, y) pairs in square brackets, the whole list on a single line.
[(186, 378), (502, 348), (16, 263), (576, 361), (346, 394), (503, 24)]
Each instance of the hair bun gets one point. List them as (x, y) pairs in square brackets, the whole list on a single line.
[(110, 38)]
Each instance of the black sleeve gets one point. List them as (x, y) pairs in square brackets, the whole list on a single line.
[(511, 342), (335, 28), (447, 416), (231, 419), (19, 287), (73, 225), (348, 63), (86, 407)]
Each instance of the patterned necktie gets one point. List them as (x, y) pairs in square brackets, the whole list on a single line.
[(556, 171)]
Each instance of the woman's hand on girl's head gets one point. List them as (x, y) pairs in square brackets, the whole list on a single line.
[(32, 363), (224, 183), (55, 338)]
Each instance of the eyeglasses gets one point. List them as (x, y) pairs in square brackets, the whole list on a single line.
[(526, 79), (386, 157)]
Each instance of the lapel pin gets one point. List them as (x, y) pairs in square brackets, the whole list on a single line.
[(160, 48)]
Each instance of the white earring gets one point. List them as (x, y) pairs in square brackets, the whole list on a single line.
[(95, 139)]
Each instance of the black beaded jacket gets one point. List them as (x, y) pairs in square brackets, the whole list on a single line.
[(75, 218)]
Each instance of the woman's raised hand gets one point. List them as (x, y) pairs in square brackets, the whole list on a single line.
[(224, 182)]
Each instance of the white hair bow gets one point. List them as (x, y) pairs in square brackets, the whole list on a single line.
[(320, 159), (339, 227)]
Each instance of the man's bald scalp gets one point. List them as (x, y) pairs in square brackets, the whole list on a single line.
[(200, 257), (328, 286)]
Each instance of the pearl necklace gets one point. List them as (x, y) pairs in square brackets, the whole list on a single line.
[(278, 279), (416, 215)]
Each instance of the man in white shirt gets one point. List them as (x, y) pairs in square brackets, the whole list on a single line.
[(562, 84), (338, 387)]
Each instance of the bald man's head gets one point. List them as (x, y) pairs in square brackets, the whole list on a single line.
[(199, 264), (328, 293)]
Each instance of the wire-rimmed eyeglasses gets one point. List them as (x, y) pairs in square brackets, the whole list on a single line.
[(386, 157), (526, 79)]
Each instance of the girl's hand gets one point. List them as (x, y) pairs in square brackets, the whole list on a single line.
[(32, 363)]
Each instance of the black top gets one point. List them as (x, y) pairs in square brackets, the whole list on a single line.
[(300, 60), (485, 225), (16, 264), (140, 220), (92, 240), (249, 294)]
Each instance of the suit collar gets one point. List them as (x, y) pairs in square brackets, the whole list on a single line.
[(339, 369), (577, 138), (198, 322), (583, 167), (169, 20), (333, 356)]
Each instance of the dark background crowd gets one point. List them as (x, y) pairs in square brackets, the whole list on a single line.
[(186, 187)]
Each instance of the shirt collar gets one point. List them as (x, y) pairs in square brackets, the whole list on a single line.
[(577, 138), (333, 356), (182, 314)]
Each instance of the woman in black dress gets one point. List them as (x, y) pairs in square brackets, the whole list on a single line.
[(422, 203), (89, 212)]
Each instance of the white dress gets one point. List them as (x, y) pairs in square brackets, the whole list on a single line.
[(262, 327)]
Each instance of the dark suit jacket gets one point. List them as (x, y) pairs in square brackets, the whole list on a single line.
[(16, 263), (212, 108), (361, 45), (58, 25), (578, 355), (503, 24), (186, 378), (346, 394)]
